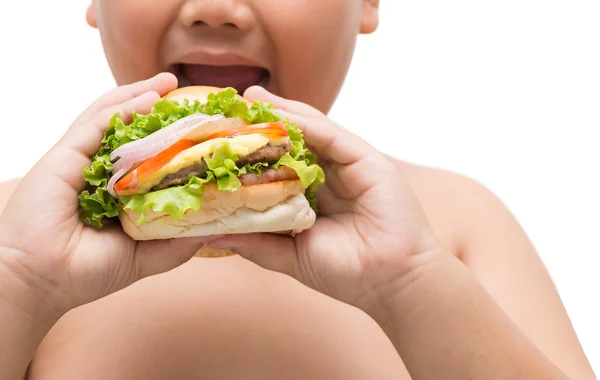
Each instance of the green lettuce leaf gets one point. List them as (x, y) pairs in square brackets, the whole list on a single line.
[(97, 204), (307, 173), (222, 164), (311, 175), (304, 163), (228, 104), (255, 169), (175, 201)]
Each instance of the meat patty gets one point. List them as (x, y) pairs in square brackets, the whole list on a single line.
[(181, 177), (268, 154)]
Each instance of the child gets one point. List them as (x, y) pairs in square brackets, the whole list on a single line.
[(409, 273)]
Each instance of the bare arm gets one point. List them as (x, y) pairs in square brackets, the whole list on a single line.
[(491, 243), (505, 262), (445, 325), (24, 322)]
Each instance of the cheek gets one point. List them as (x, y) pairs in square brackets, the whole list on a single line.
[(315, 41), (131, 43)]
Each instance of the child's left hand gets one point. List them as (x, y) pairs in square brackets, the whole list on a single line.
[(371, 231)]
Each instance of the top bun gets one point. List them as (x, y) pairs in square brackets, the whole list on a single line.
[(192, 93)]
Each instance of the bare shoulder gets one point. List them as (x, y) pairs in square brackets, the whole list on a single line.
[(459, 207), (6, 190)]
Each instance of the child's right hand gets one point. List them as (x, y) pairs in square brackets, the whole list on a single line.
[(53, 256)]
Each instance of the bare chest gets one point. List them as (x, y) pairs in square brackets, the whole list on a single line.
[(217, 319)]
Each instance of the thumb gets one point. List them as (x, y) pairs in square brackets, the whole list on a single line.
[(159, 256), (272, 252)]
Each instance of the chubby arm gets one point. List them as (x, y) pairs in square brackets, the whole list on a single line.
[(493, 246), (445, 326), (24, 322), (22, 327), (503, 259)]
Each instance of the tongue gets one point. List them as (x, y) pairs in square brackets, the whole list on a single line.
[(238, 77)]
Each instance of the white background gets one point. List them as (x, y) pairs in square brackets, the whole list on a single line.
[(506, 92)]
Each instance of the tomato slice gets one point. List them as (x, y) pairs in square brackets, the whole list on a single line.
[(271, 130), (152, 164)]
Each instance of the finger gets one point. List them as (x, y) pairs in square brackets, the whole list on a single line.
[(161, 83), (255, 93), (329, 141), (272, 252), (159, 256)]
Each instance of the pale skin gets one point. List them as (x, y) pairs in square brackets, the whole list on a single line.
[(458, 290)]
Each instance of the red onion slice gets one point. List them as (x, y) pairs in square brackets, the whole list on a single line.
[(158, 141), (113, 180), (201, 133)]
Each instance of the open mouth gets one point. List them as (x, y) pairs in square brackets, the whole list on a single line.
[(238, 77)]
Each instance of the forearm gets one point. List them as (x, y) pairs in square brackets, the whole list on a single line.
[(445, 325), (24, 322)]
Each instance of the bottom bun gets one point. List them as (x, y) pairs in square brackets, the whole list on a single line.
[(286, 210)]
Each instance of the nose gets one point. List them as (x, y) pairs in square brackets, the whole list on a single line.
[(216, 14)]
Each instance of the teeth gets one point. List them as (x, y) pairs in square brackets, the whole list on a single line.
[(183, 80), (264, 80)]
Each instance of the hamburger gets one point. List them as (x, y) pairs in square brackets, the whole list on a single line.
[(204, 161)]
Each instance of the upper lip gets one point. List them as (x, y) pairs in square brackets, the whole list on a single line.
[(217, 58)]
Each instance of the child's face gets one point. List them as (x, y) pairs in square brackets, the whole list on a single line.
[(299, 49)]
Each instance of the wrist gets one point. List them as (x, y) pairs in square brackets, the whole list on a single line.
[(26, 293), (383, 301)]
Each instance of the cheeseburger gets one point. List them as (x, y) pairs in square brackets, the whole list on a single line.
[(204, 161)]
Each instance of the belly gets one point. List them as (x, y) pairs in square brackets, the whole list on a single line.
[(216, 319)]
